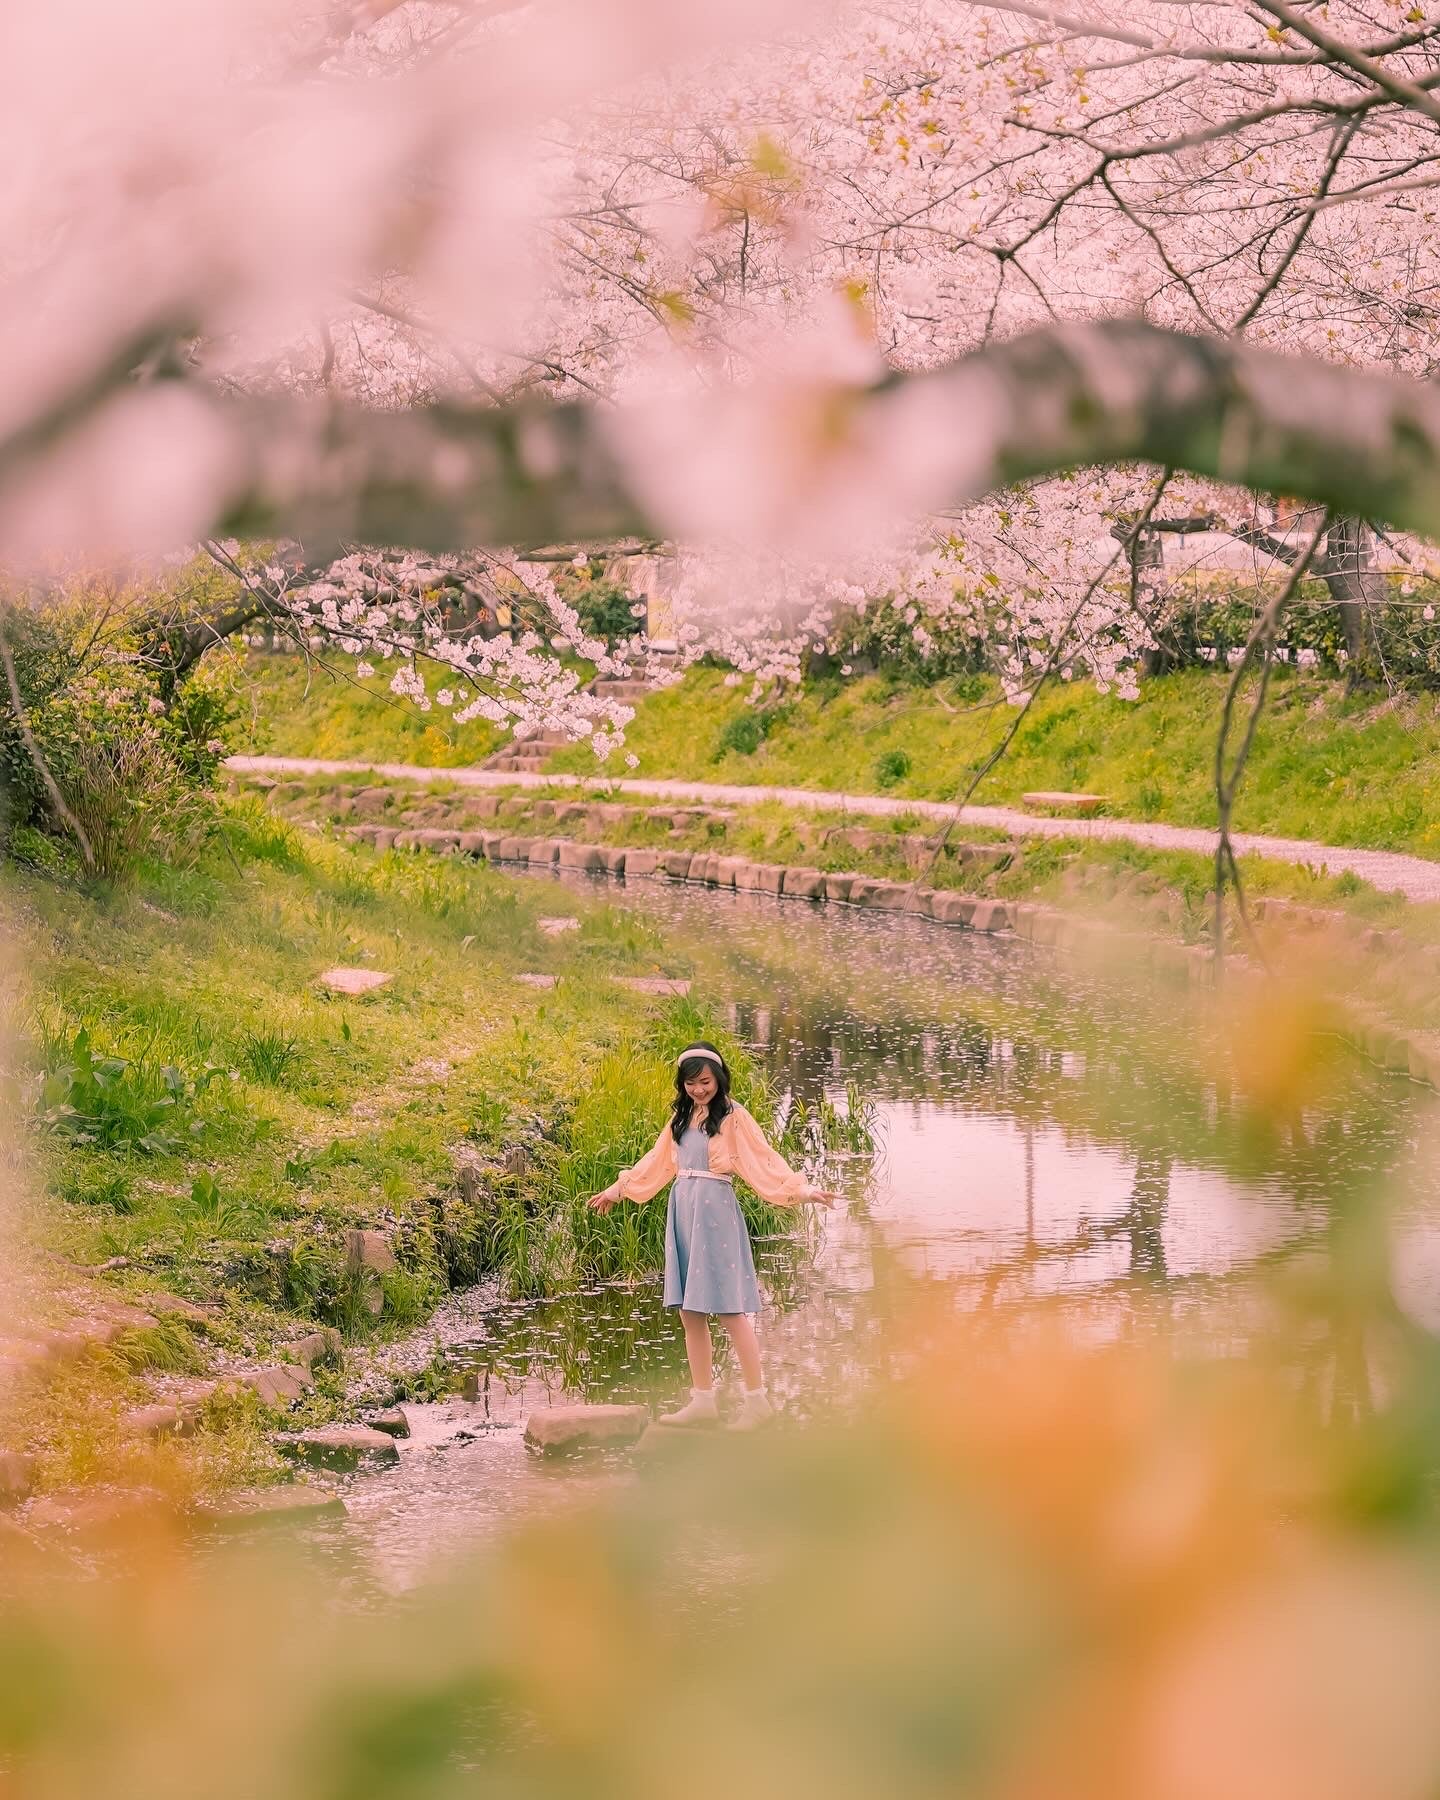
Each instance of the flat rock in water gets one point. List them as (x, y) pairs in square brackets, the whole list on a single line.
[(89, 1509), (669, 1440), (342, 1447), (353, 981), (393, 1422), (1063, 803), (272, 1506), (563, 1428)]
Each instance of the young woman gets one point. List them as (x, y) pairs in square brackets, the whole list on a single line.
[(709, 1269)]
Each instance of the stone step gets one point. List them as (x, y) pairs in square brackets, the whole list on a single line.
[(613, 688)]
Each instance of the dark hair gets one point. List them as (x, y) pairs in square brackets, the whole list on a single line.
[(684, 1105)]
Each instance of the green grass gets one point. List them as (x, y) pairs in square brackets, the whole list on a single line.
[(295, 709), (1361, 771), (1164, 893), (303, 1114), (1325, 766), (298, 1115)]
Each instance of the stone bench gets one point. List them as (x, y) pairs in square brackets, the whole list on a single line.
[(1081, 805)]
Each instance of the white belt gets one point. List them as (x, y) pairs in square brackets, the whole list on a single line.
[(704, 1174)]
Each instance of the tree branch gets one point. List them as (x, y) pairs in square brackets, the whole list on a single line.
[(448, 477)]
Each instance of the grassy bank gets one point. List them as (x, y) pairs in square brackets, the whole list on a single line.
[(1162, 893), (292, 708), (1339, 769), (212, 1122)]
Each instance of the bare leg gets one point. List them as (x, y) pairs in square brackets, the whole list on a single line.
[(746, 1347), (697, 1349)]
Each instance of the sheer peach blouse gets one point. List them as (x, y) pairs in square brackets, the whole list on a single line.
[(738, 1148)]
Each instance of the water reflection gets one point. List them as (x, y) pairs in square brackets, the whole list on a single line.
[(1049, 1131)]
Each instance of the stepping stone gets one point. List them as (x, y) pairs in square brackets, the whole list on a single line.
[(352, 981), (342, 1447), (588, 858), (295, 1505), (804, 884), (152, 1422), (1083, 804), (317, 1346), (557, 927), (17, 1476), (952, 909), (393, 1422), (679, 1440), (279, 1386), (538, 981), (564, 1428), (84, 1509), (655, 984), (91, 1334), (367, 1250)]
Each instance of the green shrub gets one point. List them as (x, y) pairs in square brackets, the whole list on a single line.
[(111, 1103), (748, 731), (606, 608), (131, 750), (33, 849), (891, 768)]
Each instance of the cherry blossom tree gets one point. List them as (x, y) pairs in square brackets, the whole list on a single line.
[(835, 303)]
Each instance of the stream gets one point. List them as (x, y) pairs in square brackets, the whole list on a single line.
[(1048, 1132)]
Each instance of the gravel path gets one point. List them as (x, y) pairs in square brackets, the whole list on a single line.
[(1411, 876)]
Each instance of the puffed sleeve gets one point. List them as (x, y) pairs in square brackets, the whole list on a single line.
[(655, 1170), (765, 1169)]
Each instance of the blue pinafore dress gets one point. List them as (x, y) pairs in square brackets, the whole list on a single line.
[(708, 1264)]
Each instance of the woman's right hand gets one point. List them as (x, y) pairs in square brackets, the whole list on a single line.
[(602, 1203), (829, 1198)]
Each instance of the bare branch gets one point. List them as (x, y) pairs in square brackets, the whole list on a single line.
[(1260, 645)]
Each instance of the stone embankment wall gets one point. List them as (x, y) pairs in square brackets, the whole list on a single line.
[(960, 865)]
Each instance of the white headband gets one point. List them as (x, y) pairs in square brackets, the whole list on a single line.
[(695, 1050)]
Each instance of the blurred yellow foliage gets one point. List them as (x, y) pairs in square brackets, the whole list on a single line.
[(1026, 1571)]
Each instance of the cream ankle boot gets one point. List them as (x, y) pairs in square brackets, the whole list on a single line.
[(755, 1411), (699, 1409)]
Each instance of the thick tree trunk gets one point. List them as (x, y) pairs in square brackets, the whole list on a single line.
[(1358, 589)]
